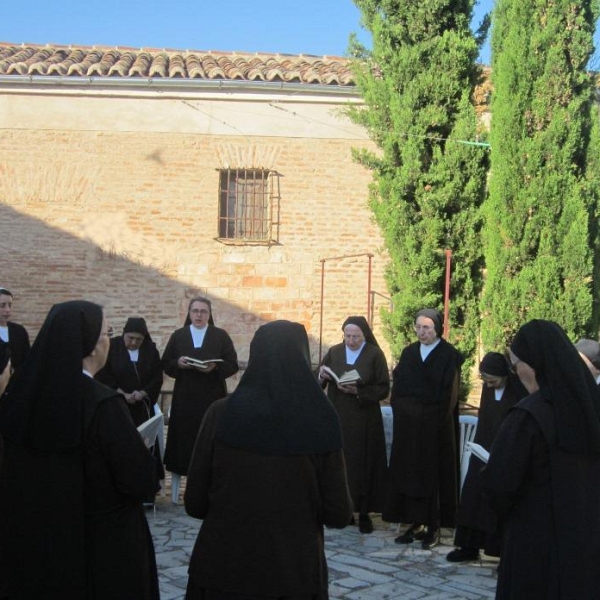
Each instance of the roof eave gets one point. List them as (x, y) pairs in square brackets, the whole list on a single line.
[(189, 85)]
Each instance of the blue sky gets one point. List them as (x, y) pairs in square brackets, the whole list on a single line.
[(319, 27)]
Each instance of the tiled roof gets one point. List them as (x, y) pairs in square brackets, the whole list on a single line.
[(192, 65), (96, 61)]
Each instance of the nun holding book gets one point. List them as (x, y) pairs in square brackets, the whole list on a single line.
[(357, 405)]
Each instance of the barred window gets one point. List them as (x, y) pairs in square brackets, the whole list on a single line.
[(245, 204)]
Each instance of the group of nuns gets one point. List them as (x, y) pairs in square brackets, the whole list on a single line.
[(267, 474)]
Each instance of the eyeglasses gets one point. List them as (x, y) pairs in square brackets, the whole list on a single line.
[(199, 311)]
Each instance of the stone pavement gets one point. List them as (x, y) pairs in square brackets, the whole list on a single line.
[(361, 567)]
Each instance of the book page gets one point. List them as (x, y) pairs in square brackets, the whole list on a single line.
[(331, 373), (349, 377), (150, 428), (200, 364)]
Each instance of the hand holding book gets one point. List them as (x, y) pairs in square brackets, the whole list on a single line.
[(346, 378), (202, 365)]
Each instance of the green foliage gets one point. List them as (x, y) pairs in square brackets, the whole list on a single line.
[(417, 83), (540, 228)]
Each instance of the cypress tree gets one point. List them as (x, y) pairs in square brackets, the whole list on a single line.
[(541, 214), (429, 178)]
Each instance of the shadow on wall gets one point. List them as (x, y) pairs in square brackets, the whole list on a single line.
[(44, 265)]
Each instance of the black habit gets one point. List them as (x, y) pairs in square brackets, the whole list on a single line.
[(75, 526), (266, 475), (548, 500), (362, 423), (423, 463), (543, 475), (477, 521), (18, 342), (194, 391), (144, 375), (74, 474)]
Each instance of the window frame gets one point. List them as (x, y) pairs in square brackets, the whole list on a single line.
[(248, 201)]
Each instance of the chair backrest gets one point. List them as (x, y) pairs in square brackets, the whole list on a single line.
[(468, 426), (464, 464)]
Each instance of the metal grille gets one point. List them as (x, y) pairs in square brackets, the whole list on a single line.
[(245, 204)]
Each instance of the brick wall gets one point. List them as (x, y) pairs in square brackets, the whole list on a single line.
[(127, 216)]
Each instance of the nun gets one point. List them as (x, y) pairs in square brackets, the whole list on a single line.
[(543, 474), (477, 522), (75, 472), (14, 334), (133, 368), (196, 387), (424, 459), (266, 475), (358, 407)]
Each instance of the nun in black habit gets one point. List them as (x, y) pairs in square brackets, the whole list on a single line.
[(543, 475), (266, 475), (195, 389), (423, 468), (14, 334), (360, 414), (75, 472), (133, 368), (477, 522)]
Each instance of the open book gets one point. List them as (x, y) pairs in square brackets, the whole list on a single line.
[(200, 364), (150, 428), (346, 378)]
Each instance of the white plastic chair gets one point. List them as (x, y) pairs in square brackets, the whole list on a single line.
[(468, 427), (471, 449)]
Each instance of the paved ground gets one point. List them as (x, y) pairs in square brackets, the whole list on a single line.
[(361, 567)]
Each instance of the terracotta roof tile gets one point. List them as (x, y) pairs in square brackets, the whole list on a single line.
[(104, 63), (194, 67), (81, 68), (54, 60), (61, 67), (231, 69), (141, 64), (123, 65), (177, 66)]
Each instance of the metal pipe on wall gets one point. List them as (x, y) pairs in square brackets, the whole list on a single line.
[(369, 269)]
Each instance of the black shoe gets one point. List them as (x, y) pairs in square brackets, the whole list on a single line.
[(431, 539), (352, 521), (365, 525), (462, 555), (414, 532)]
